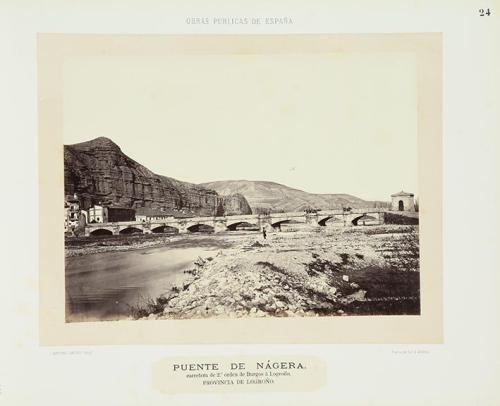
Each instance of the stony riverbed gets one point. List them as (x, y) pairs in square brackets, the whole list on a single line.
[(352, 271)]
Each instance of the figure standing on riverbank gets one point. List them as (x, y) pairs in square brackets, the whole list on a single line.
[(264, 232)]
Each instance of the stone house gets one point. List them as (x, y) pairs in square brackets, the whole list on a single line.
[(97, 214), (402, 201)]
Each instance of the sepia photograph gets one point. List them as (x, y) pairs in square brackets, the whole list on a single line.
[(249, 204), (240, 185)]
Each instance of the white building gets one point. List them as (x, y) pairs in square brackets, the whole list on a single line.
[(403, 201), (97, 214)]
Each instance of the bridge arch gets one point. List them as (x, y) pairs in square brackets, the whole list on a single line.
[(323, 221), (131, 230), (337, 219), (101, 232), (200, 228), (165, 229), (364, 220), (277, 224), (234, 226)]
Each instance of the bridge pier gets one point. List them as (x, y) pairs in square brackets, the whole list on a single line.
[(182, 229), (146, 228), (263, 221), (312, 219), (219, 226)]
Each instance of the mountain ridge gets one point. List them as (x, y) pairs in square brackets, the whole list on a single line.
[(274, 196)]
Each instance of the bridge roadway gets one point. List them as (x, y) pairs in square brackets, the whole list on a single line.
[(274, 220)]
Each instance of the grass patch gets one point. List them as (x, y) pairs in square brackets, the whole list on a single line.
[(400, 307), (383, 282), (393, 218)]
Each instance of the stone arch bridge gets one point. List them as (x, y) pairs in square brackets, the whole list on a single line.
[(353, 217)]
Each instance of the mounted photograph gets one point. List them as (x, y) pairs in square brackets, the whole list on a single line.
[(241, 178)]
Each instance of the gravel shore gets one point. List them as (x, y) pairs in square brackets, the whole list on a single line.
[(364, 270)]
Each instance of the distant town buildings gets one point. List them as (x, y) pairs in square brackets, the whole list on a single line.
[(402, 201), (74, 217)]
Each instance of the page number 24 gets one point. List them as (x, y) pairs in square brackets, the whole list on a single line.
[(483, 12)]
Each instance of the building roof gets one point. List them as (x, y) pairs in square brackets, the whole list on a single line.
[(401, 194)]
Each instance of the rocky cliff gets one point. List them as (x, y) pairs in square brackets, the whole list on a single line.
[(98, 171), (235, 204)]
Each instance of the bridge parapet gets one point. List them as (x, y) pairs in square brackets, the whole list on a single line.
[(287, 214), (329, 213), (113, 224), (368, 210), (241, 217)]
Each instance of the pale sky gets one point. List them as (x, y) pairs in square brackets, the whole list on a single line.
[(342, 122)]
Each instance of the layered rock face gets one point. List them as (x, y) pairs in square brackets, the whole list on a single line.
[(235, 204), (98, 171)]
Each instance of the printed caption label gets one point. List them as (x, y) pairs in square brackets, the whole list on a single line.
[(243, 374)]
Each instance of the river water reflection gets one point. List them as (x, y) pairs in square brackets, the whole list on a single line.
[(103, 286)]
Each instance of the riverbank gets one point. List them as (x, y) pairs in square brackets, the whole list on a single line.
[(353, 271), (77, 246)]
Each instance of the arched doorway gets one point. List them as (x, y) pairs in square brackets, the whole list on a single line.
[(401, 206)]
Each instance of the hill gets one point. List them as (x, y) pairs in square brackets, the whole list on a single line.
[(262, 195)]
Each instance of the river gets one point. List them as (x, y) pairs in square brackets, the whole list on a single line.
[(103, 286)]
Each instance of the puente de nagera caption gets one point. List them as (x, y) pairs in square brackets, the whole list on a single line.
[(352, 217)]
